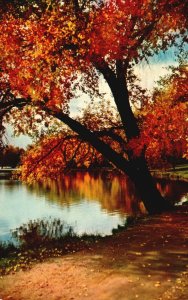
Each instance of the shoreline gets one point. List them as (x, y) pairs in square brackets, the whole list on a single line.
[(146, 261), (169, 175)]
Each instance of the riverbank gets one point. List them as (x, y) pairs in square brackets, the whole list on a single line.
[(146, 261), (179, 173), (6, 173)]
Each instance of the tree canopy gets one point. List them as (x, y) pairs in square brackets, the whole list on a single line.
[(47, 58), (164, 121)]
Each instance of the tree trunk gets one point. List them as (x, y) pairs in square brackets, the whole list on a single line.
[(145, 185), (140, 174)]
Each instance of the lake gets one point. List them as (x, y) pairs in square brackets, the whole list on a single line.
[(89, 202)]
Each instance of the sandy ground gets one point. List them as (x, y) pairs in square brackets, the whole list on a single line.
[(148, 261)]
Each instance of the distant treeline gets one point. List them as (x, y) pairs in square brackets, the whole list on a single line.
[(10, 156)]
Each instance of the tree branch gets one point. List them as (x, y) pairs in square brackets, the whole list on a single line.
[(43, 157), (91, 137), (147, 31), (82, 131), (16, 102), (110, 133), (118, 85)]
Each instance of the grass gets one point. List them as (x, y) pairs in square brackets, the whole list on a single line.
[(42, 239), (39, 240), (180, 172), (23, 257)]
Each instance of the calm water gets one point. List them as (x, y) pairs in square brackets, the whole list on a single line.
[(91, 203)]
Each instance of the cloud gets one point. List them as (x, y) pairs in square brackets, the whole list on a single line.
[(21, 141), (149, 74)]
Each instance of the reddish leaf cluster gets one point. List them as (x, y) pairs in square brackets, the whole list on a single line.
[(44, 56), (165, 128)]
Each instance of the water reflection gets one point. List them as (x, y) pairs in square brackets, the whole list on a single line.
[(89, 202), (116, 194), (174, 191)]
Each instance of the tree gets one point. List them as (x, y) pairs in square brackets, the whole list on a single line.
[(164, 120), (163, 128), (46, 58), (10, 156)]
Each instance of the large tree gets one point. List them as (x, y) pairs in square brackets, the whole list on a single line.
[(163, 130), (48, 55)]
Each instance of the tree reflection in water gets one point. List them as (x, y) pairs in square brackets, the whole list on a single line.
[(115, 193), (173, 190)]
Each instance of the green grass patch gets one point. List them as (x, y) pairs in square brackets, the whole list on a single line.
[(180, 172)]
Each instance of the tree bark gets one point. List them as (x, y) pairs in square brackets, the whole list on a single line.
[(144, 183)]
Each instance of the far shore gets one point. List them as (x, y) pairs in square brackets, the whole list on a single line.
[(178, 173)]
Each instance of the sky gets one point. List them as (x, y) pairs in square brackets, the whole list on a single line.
[(21, 141), (150, 73)]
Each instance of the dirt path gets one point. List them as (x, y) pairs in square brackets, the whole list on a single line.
[(147, 261)]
